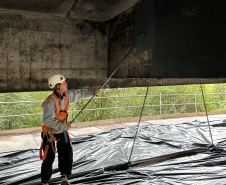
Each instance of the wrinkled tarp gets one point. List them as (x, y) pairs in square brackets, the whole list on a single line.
[(92, 154)]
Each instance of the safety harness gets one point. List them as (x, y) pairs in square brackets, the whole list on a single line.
[(61, 116)]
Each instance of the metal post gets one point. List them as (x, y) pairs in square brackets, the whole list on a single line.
[(160, 104), (196, 104), (225, 95), (122, 104), (116, 106)]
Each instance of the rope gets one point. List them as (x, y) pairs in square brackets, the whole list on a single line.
[(206, 113), (71, 134), (35, 140), (185, 87), (138, 125)]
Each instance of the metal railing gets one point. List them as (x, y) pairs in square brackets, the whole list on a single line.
[(160, 105)]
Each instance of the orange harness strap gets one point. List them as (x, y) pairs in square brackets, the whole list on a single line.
[(43, 157)]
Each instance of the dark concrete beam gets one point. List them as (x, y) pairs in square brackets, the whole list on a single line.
[(100, 10), (49, 7), (188, 40), (178, 43), (73, 83)]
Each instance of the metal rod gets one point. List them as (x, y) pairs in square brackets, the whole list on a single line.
[(104, 83), (225, 95), (118, 66), (196, 104), (117, 97), (160, 104), (39, 114), (35, 140), (14, 102), (122, 103), (206, 113), (138, 125), (116, 104)]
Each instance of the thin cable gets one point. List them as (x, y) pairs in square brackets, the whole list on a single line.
[(206, 113), (35, 140), (188, 101), (138, 125), (185, 87), (71, 134), (164, 117)]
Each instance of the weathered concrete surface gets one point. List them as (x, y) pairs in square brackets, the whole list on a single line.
[(84, 131), (33, 48), (110, 126), (52, 7), (99, 10), (176, 45), (20, 142)]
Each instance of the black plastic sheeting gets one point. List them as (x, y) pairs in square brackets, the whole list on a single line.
[(171, 154)]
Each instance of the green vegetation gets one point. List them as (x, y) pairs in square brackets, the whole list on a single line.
[(117, 94)]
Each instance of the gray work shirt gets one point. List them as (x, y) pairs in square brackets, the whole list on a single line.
[(50, 108)]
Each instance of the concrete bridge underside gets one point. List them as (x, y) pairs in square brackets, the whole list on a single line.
[(178, 42)]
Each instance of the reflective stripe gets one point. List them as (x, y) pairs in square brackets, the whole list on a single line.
[(61, 114), (57, 102), (57, 106)]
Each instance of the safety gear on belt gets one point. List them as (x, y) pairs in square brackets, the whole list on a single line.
[(55, 79), (47, 132), (60, 115), (53, 139)]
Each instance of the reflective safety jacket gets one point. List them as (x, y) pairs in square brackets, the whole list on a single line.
[(60, 114), (50, 108)]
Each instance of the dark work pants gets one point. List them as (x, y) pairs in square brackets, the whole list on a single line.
[(65, 158)]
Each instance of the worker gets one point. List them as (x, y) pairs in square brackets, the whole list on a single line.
[(55, 128)]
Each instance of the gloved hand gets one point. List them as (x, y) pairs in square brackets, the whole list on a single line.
[(97, 91)]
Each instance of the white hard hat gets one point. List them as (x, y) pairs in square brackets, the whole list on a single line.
[(55, 79)]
